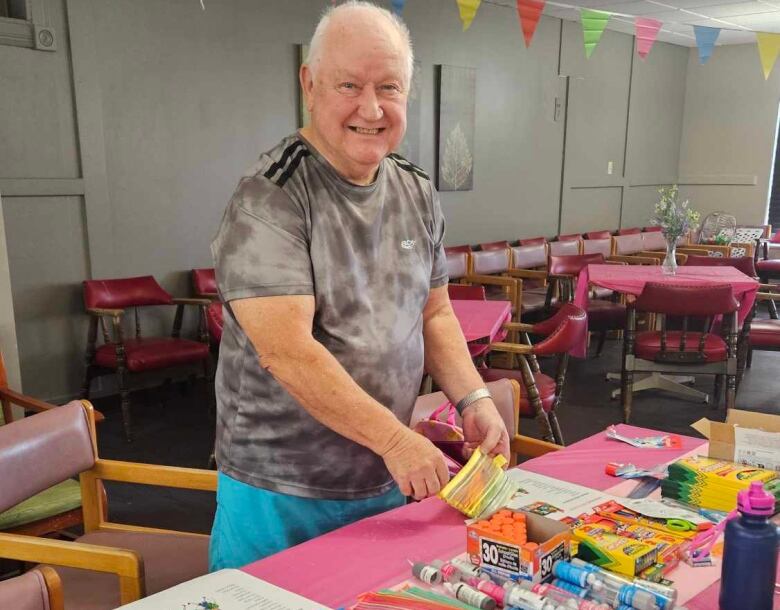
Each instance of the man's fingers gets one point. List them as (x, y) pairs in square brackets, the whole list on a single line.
[(420, 489), (405, 487), (492, 438), (443, 474)]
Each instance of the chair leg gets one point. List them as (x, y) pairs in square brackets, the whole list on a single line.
[(85, 389), (750, 357), (556, 427), (731, 392), (717, 390), (124, 395), (535, 400), (626, 393), (602, 339)]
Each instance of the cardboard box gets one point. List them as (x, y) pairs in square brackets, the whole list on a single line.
[(496, 555), (745, 437)]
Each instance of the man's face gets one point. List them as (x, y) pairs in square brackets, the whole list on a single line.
[(357, 97)]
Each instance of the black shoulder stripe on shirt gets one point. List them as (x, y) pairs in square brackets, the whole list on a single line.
[(408, 166), (296, 161), (288, 152)]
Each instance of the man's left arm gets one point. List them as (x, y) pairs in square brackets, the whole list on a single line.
[(448, 361)]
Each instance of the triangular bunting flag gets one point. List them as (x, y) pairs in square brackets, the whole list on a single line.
[(398, 6), (593, 24), (768, 48), (705, 40), (529, 12), (468, 9), (646, 30)]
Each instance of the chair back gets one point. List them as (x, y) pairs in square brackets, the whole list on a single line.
[(745, 264), (653, 240), (529, 256), (601, 245), (489, 262), (629, 231), (652, 229), (625, 245), (38, 589), (564, 330), (123, 293), (691, 300), (453, 249), (461, 292), (44, 449), (495, 245), (572, 265), (506, 396), (532, 241), (457, 265), (204, 282), (570, 237), (598, 234), (566, 247)]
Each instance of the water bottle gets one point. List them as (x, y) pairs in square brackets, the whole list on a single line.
[(750, 553)]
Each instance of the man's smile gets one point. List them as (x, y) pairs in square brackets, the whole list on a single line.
[(367, 131)]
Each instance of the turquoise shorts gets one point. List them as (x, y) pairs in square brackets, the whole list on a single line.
[(252, 523)]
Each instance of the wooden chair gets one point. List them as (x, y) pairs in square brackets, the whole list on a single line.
[(506, 396), (528, 262), (108, 299), (681, 351), (604, 234), (489, 268), (204, 284), (52, 510), (145, 560), (629, 231), (764, 334), (38, 589), (630, 248)]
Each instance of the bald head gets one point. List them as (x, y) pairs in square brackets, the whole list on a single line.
[(356, 23)]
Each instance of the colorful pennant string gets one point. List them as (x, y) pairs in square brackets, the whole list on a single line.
[(768, 48), (529, 12), (593, 24), (705, 40), (468, 10), (398, 6), (646, 31)]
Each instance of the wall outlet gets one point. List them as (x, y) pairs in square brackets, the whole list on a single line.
[(610, 165)]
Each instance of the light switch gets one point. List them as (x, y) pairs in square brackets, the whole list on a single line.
[(609, 167)]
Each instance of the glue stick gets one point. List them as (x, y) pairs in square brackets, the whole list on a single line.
[(426, 573), (519, 597), (469, 570), (581, 577), (488, 588), (469, 595)]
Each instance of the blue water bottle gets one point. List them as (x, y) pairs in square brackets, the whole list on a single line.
[(750, 553)]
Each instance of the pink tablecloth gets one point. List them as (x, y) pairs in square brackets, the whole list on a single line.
[(631, 279), (482, 319), (333, 569)]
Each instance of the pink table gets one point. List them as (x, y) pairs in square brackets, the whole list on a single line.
[(333, 569), (631, 279), (482, 319)]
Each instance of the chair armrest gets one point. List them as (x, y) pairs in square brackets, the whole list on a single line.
[(611, 262), (634, 260), (492, 280), (530, 274), (207, 295), (124, 563), (154, 474), (767, 296), (532, 447), (520, 326), (191, 301), (33, 404), (511, 348), (96, 311)]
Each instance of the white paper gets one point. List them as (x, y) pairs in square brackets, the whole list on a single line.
[(757, 448), (553, 498), (229, 590)]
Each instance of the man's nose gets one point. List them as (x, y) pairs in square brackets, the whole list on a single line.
[(369, 108)]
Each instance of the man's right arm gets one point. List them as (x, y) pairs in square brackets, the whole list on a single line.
[(280, 327)]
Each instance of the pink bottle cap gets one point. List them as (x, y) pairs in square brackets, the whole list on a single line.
[(756, 500)]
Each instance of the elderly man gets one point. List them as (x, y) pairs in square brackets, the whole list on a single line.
[(331, 266)]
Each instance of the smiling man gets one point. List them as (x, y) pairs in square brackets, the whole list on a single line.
[(331, 266)]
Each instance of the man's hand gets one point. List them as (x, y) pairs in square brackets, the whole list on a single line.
[(416, 465), (484, 428)]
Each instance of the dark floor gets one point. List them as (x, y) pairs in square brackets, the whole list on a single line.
[(180, 432)]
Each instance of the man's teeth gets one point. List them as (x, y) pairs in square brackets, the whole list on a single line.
[(366, 131)]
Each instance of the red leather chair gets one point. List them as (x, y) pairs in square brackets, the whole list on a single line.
[(629, 231), (565, 247), (204, 282), (38, 589), (603, 315), (540, 393), (570, 237), (494, 245), (765, 334), (598, 234), (455, 249), (682, 351), (108, 299), (532, 241)]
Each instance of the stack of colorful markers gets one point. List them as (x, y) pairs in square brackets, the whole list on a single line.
[(714, 484)]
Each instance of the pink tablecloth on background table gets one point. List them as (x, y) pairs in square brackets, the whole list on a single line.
[(631, 279), (333, 569), (482, 319)]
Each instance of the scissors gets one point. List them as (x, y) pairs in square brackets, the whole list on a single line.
[(680, 525)]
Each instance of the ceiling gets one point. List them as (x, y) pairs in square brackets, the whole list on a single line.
[(739, 20)]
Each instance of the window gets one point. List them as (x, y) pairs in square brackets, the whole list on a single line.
[(23, 23), (13, 9), (773, 206)]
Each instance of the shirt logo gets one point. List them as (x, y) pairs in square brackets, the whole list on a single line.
[(408, 244)]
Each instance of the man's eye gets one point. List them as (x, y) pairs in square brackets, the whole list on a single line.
[(348, 86), (391, 88)]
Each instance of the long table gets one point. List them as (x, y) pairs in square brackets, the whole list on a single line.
[(335, 568)]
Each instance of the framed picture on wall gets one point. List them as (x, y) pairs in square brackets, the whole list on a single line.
[(409, 148), (456, 88)]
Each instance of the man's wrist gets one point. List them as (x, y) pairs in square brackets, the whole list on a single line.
[(471, 398)]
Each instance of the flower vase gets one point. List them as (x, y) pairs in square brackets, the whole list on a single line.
[(669, 266)]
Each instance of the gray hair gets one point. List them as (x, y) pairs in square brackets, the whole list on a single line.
[(315, 45)]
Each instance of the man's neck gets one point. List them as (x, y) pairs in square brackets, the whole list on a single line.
[(359, 177)]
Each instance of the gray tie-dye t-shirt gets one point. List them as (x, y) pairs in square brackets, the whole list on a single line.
[(369, 255)]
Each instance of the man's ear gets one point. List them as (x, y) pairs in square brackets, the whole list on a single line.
[(307, 85)]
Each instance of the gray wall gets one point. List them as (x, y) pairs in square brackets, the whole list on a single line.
[(729, 133), (127, 142)]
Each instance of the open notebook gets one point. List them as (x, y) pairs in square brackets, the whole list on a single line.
[(225, 590)]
